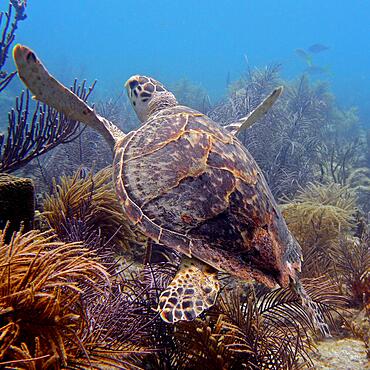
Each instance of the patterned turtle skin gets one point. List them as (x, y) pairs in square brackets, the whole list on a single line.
[(188, 184), (191, 185)]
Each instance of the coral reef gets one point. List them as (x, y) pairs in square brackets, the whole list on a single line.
[(322, 218), (74, 296)]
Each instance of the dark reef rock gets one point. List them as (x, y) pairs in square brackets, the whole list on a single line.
[(17, 202)]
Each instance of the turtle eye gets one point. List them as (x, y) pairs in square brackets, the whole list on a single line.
[(133, 84)]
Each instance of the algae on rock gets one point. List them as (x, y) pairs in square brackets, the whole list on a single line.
[(17, 203)]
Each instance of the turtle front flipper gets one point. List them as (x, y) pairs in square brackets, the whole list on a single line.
[(256, 114), (193, 290), (51, 92)]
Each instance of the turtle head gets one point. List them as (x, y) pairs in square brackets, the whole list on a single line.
[(148, 96)]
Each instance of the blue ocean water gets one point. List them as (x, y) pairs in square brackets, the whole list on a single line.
[(203, 41)]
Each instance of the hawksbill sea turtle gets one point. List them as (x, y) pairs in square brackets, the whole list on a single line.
[(188, 184)]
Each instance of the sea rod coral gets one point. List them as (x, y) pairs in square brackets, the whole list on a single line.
[(8, 25)]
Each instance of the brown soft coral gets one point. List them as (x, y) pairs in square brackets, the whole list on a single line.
[(319, 216), (41, 283), (91, 199)]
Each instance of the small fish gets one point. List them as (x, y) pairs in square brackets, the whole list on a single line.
[(317, 48), (304, 55)]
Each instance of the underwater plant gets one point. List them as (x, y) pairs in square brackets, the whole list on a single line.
[(85, 207), (352, 265), (191, 94), (59, 307), (41, 282), (245, 94), (342, 146), (318, 216)]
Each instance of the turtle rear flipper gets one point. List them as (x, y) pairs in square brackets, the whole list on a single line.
[(193, 290)]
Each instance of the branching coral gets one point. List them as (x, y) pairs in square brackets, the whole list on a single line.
[(7, 36), (341, 146), (317, 217), (245, 94), (33, 134), (308, 137), (289, 130), (352, 264), (90, 201), (191, 95)]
